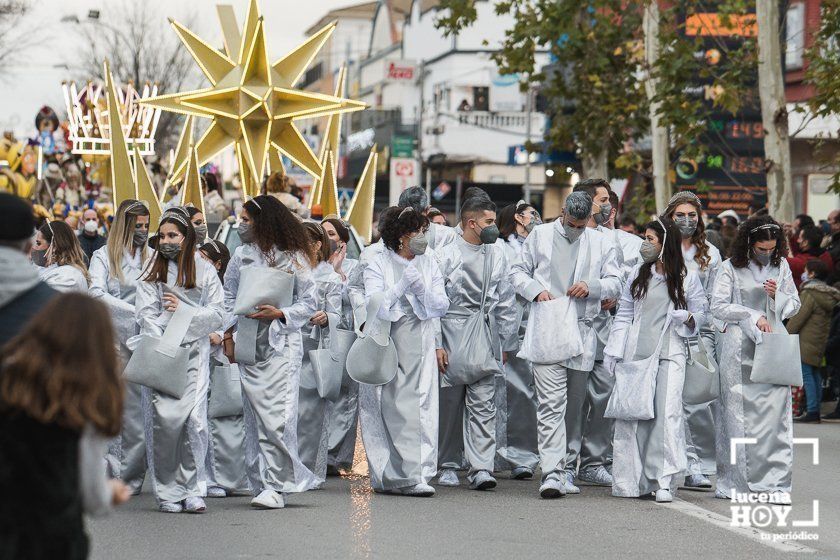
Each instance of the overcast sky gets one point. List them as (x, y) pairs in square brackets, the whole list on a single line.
[(33, 80)]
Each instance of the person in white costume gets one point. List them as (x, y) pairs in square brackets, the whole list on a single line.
[(660, 307)]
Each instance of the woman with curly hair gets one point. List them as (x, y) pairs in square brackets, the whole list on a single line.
[(178, 283), (400, 418), (58, 254), (269, 347), (700, 256), (752, 288)]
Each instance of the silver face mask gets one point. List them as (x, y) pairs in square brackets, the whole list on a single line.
[(170, 251), (761, 258), (418, 244), (572, 232), (686, 225), (649, 252), (246, 233), (603, 214), (140, 237), (489, 234), (201, 232), (39, 257)]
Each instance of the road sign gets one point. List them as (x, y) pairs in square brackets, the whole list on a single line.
[(404, 174)]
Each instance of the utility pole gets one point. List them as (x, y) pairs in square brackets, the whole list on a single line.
[(660, 144), (421, 80), (774, 116), (529, 107)]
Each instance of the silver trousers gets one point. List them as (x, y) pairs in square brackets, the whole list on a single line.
[(473, 410), (550, 382), (596, 448), (576, 397), (517, 417)]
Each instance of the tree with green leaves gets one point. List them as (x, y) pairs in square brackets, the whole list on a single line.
[(824, 74)]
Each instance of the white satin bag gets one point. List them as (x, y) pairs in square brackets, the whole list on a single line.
[(552, 334)]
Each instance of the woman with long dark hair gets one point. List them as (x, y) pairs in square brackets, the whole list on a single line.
[(313, 411), (268, 347), (343, 420), (199, 222), (176, 441), (700, 256), (57, 252), (753, 287), (661, 305), (115, 270), (399, 418), (60, 397), (517, 421)]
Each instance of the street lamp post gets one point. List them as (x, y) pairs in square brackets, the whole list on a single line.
[(529, 106)]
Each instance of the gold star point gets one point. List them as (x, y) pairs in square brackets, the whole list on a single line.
[(251, 102)]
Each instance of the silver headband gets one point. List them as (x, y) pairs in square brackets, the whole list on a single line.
[(257, 204), (685, 195), (765, 226), (175, 216), (664, 237), (133, 205), (406, 209)]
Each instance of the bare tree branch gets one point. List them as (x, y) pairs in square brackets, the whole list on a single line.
[(14, 38)]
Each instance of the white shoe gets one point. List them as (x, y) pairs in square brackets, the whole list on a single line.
[(418, 490), (448, 477), (552, 488), (697, 482), (194, 505), (268, 499), (216, 492), (569, 483), (171, 507), (663, 496)]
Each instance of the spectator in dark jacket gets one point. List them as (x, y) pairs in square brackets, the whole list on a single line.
[(832, 356), (812, 325), (810, 239), (833, 245), (90, 237)]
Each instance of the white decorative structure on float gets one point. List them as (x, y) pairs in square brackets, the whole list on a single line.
[(90, 127)]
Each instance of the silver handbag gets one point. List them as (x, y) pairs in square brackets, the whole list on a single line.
[(160, 363), (634, 391), (467, 340), (328, 363), (225, 391), (777, 358), (702, 379), (373, 357), (260, 285)]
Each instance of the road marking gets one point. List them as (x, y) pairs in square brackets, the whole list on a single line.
[(759, 536)]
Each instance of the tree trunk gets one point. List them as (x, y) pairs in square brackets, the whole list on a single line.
[(596, 166), (660, 144), (774, 117)]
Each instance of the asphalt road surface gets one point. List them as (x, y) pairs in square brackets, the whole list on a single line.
[(347, 520)]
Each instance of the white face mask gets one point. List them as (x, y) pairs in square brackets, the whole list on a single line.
[(804, 277), (91, 226)]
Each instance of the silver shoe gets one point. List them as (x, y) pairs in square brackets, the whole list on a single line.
[(522, 473), (663, 496), (569, 483), (596, 475), (482, 480), (421, 490), (171, 507), (216, 492), (194, 505), (697, 482), (552, 488), (448, 477)]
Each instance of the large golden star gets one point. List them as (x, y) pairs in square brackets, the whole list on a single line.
[(251, 102)]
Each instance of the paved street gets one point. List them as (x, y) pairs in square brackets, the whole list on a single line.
[(346, 520)]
